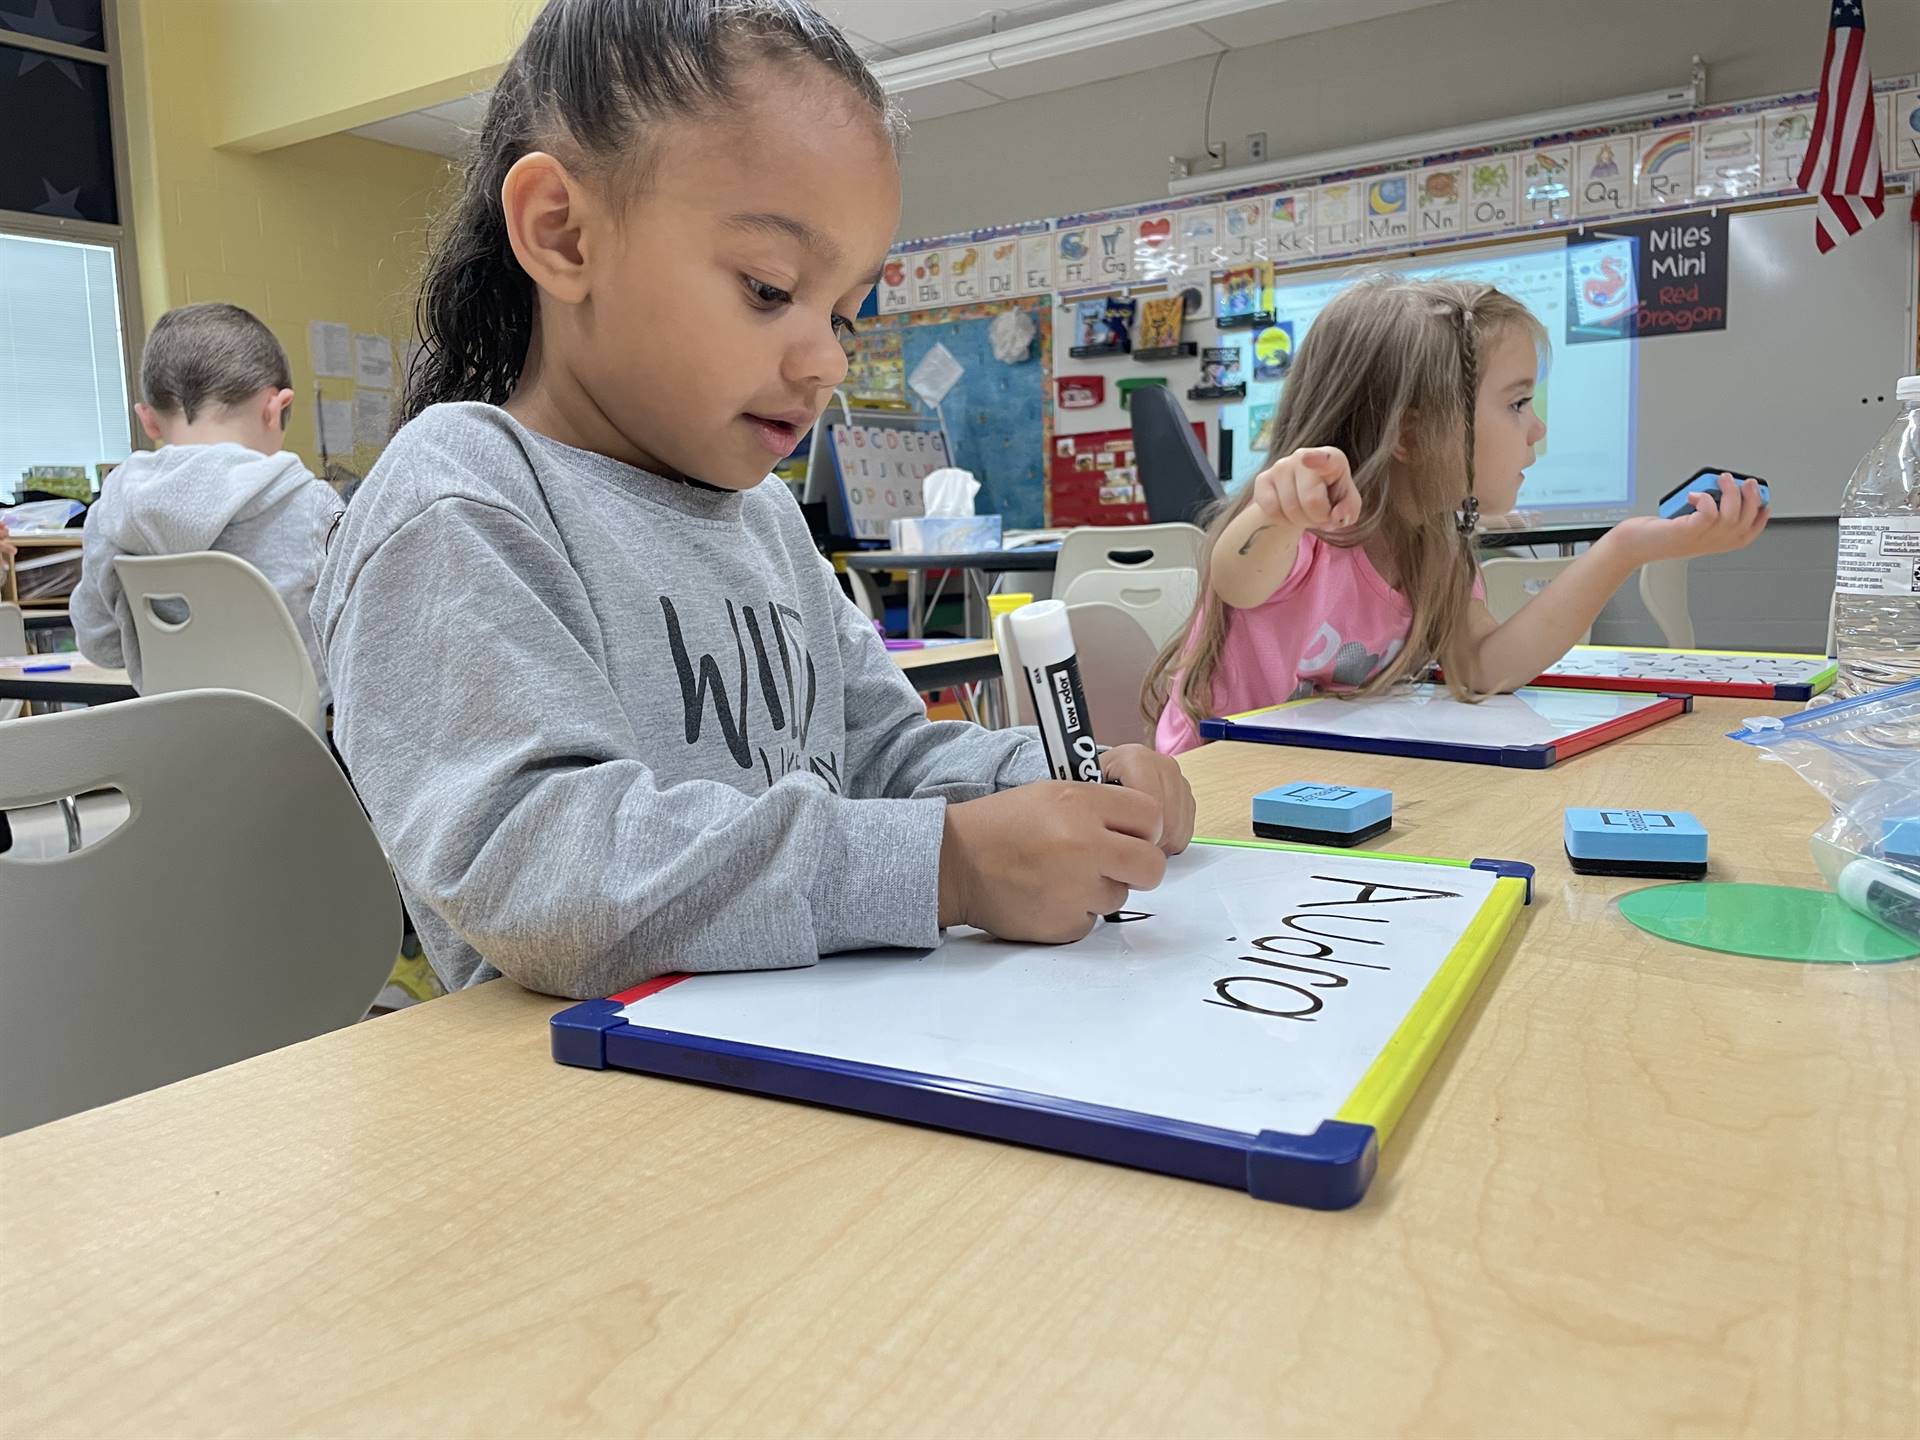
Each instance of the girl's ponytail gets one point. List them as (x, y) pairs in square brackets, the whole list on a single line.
[(475, 313)]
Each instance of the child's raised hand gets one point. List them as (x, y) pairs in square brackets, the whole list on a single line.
[(1712, 527), (1311, 489)]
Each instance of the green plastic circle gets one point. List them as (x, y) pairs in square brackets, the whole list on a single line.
[(1769, 922)]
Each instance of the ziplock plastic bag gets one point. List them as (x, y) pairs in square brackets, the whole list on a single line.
[(1864, 756), (40, 517)]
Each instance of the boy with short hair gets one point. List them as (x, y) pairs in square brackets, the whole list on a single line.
[(217, 390)]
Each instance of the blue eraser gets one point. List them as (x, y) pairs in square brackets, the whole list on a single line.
[(1635, 842), (1900, 839), (1680, 502), (1322, 814)]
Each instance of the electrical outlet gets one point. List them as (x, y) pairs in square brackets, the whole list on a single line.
[(1256, 147)]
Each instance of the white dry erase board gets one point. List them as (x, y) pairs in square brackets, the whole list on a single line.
[(1530, 729), (1259, 1021)]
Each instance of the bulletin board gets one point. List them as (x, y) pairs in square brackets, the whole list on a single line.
[(999, 416)]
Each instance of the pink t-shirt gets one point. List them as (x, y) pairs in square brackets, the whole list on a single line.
[(1330, 626)]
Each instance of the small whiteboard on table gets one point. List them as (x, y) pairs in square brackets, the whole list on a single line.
[(1744, 674), (1259, 1021), (1530, 729)]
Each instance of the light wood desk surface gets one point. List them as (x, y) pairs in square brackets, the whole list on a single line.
[(1646, 1191), (81, 681)]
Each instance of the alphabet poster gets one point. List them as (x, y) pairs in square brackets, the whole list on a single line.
[(1490, 198), (1546, 185), (1389, 212), (1728, 165), (1438, 193), (1338, 210), (883, 468), (1290, 230), (1784, 136), (1604, 176), (1243, 225), (1663, 169)]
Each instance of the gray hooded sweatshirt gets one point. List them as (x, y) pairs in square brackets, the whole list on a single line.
[(610, 725), (267, 509)]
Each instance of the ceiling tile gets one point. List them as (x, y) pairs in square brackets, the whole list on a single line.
[(1288, 18), (948, 98)]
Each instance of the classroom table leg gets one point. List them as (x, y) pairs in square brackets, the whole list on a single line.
[(916, 604)]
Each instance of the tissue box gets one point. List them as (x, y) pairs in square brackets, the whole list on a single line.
[(944, 534)]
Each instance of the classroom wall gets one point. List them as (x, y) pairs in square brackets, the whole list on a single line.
[(309, 68), (331, 229), (1444, 65), (1452, 64)]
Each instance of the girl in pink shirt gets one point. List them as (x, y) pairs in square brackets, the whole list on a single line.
[(1347, 565)]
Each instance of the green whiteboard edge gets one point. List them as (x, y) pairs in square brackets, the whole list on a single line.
[(1333, 850)]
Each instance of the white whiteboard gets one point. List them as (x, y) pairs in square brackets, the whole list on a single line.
[(1429, 714), (1778, 392), (1149, 1015)]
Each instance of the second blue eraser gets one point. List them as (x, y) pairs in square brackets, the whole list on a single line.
[(1314, 814), (1636, 842), (1900, 839)]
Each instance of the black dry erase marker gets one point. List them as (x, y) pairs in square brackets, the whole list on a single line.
[(1044, 641)]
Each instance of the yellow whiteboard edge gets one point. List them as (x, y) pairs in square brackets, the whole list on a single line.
[(1731, 654), (1384, 1091)]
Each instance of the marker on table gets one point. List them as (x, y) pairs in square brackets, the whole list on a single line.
[(1884, 892), (45, 669), (1044, 641)]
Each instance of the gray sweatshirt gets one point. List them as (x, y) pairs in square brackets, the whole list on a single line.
[(267, 509), (609, 725)]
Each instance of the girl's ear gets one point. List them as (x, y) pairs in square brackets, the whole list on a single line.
[(545, 210), (1409, 436)]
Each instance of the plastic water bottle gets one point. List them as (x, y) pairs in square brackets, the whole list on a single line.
[(1877, 588)]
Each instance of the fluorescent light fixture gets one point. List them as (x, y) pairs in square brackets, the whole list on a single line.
[(1440, 142), (1051, 39)]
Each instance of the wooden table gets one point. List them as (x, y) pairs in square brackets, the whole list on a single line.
[(1646, 1191), (937, 667), (81, 683), (976, 568)]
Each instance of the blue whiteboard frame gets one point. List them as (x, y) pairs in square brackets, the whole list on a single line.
[(1262, 727), (1329, 1169)]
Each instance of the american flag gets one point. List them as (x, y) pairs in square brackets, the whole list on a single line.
[(1842, 168)]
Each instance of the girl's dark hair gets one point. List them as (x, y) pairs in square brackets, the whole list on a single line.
[(585, 84)]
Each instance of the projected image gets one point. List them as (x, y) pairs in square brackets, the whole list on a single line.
[(1584, 469)]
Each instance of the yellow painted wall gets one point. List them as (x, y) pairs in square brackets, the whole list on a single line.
[(308, 68), (333, 229)]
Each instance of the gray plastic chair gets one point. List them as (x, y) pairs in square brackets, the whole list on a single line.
[(238, 634), (242, 906)]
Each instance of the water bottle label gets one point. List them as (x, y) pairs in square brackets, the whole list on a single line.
[(1879, 555)]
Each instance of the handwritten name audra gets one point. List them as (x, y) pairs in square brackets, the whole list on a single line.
[(1319, 933)]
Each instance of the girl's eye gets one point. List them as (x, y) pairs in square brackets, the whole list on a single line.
[(768, 297), (844, 328), (1522, 404)]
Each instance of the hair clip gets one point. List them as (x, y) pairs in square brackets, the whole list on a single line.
[(1467, 517)]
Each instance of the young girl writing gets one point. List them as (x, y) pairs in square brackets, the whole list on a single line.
[(1348, 563), (606, 705)]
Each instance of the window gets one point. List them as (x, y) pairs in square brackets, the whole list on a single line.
[(63, 367), (68, 315)]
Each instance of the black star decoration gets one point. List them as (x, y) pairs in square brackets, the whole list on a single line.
[(63, 203)]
